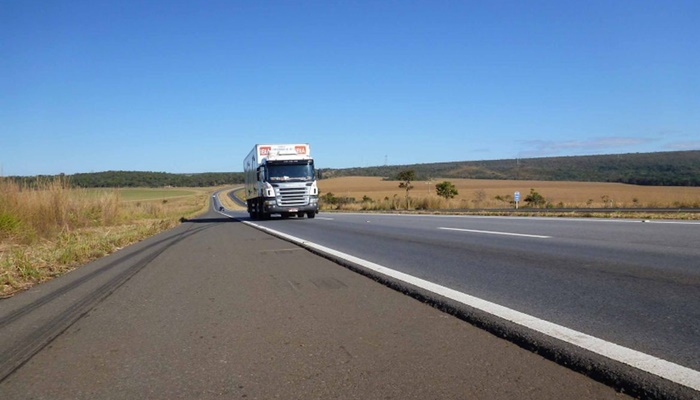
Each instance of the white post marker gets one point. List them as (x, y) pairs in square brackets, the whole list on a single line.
[(516, 197)]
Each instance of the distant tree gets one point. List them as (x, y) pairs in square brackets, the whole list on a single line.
[(535, 199), (446, 189), (406, 177)]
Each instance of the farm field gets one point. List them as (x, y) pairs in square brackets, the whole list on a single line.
[(477, 193), (142, 194)]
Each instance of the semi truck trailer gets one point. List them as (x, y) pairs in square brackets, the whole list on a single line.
[(280, 179)]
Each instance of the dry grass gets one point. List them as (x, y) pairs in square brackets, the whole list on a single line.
[(49, 228), (476, 193)]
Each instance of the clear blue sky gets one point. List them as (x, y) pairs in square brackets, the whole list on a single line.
[(190, 86)]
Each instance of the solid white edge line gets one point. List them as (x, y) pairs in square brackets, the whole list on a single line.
[(496, 233), (642, 361)]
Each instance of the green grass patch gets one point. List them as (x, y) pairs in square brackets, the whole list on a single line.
[(8, 223), (144, 194)]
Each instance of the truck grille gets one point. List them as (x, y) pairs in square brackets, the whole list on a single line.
[(290, 197)]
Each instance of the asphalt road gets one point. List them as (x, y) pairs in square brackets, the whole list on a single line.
[(632, 283), (217, 309)]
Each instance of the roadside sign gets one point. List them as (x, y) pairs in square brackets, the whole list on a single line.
[(516, 197)]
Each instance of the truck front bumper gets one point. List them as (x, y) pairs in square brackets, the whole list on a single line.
[(270, 206), (292, 210)]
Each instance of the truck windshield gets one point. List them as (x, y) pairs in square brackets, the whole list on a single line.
[(290, 171)]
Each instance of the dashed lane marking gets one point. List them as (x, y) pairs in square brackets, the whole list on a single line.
[(496, 233)]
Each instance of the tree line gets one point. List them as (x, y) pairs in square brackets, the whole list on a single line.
[(121, 179)]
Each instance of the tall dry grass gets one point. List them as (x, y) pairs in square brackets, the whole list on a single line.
[(50, 207), (48, 228)]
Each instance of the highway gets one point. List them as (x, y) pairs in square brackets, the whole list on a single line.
[(217, 309), (631, 283)]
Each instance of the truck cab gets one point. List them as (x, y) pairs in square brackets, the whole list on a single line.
[(281, 179)]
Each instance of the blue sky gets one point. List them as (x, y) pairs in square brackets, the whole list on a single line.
[(190, 86)]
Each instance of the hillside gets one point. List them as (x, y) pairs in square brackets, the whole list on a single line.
[(678, 168)]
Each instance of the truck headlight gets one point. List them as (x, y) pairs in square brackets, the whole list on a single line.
[(269, 190)]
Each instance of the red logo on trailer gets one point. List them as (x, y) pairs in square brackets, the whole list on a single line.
[(300, 149), (265, 150)]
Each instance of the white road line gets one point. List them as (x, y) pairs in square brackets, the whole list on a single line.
[(652, 221), (665, 369), (325, 219), (496, 233)]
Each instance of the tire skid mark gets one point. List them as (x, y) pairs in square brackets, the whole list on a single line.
[(6, 320), (33, 342)]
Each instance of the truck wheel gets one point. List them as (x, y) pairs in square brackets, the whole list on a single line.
[(252, 210), (259, 210), (311, 214)]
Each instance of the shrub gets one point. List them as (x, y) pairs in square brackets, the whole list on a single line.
[(506, 199), (535, 199), (446, 189)]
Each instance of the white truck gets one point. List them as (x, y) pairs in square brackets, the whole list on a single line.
[(280, 179)]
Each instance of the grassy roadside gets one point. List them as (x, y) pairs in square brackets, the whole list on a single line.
[(49, 229)]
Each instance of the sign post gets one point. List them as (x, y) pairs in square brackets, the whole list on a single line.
[(516, 197)]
